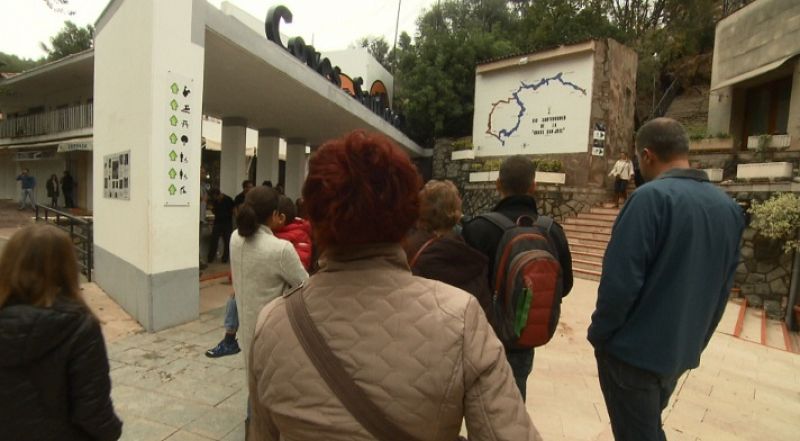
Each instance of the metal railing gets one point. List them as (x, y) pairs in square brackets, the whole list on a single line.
[(80, 232), (666, 100), (50, 122)]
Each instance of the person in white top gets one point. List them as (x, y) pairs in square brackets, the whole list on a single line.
[(622, 171), (263, 266)]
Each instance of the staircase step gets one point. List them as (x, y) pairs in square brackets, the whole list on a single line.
[(588, 222), (582, 241), (587, 265), (568, 227), (774, 331), (594, 216), (602, 210), (587, 256), (587, 249), (586, 274), (601, 237)]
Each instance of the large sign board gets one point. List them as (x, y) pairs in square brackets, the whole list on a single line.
[(178, 138), (541, 107)]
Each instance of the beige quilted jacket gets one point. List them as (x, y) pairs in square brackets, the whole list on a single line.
[(422, 351)]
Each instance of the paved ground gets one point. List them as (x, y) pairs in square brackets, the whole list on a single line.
[(166, 389)]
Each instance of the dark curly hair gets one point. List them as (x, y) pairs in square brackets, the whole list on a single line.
[(361, 189)]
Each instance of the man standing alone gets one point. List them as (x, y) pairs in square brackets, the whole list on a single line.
[(666, 276), (67, 187), (28, 192)]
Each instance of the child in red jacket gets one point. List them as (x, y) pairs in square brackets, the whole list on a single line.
[(295, 230)]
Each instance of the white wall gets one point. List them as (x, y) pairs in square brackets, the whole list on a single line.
[(515, 107), (123, 121), (358, 62)]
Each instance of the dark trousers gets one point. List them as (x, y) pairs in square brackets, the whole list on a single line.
[(634, 398), (220, 231), (68, 202), (521, 361)]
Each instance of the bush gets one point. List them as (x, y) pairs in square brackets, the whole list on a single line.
[(549, 165), (778, 218)]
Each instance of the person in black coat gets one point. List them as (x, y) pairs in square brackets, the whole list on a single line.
[(223, 209), (67, 187), (54, 372), (52, 190), (436, 252), (516, 186)]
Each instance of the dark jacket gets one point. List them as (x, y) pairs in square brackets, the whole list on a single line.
[(52, 188), (450, 260), (223, 211), (67, 184), (54, 382), (667, 273), (484, 236)]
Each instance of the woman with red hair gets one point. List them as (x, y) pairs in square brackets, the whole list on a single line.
[(364, 349)]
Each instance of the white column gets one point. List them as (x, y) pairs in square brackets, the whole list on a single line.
[(148, 103), (295, 167), (794, 109), (267, 165), (233, 157)]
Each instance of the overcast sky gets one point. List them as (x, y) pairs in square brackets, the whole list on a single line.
[(332, 24)]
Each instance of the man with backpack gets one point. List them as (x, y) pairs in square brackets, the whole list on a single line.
[(667, 273), (522, 247)]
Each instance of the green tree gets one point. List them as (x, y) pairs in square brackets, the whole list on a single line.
[(14, 64), (378, 48), (69, 40)]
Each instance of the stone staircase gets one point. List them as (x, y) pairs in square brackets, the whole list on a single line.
[(588, 235)]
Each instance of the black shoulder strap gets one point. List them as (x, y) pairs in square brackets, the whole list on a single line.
[(330, 368), (499, 220)]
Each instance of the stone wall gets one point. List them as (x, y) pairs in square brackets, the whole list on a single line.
[(478, 197), (765, 271)]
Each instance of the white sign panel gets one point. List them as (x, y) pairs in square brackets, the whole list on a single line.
[(177, 140), (534, 108), (117, 176)]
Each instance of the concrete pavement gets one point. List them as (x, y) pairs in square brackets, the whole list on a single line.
[(166, 389)]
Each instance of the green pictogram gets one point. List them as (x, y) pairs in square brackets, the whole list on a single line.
[(173, 156), (172, 173), (173, 104), (173, 120), (173, 138), (174, 88), (172, 189)]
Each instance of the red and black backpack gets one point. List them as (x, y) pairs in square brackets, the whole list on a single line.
[(527, 282)]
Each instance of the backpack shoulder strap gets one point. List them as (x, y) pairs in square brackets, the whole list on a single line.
[(419, 252), (544, 222), (498, 220)]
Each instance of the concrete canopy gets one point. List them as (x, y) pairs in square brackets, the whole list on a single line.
[(249, 77)]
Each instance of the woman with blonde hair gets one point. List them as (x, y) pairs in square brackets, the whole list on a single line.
[(54, 381), (436, 252)]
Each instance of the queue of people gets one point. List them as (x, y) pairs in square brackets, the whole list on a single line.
[(412, 320)]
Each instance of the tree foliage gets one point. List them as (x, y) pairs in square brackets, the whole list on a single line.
[(378, 48), (14, 64), (71, 39)]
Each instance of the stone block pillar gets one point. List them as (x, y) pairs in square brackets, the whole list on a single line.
[(233, 157), (267, 168), (295, 167)]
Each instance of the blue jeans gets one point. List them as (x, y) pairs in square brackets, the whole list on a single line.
[(521, 361), (634, 398), (231, 322), (27, 196)]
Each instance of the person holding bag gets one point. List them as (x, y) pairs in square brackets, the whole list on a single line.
[(622, 173), (365, 350)]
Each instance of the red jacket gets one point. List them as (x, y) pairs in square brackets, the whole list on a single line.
[(299, 234)]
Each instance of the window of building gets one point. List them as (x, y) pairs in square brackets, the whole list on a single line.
[(767, 108)]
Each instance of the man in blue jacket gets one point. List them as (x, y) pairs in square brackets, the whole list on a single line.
[(666, 277), (28, 191)]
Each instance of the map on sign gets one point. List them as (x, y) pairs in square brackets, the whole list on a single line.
[(535, 108)]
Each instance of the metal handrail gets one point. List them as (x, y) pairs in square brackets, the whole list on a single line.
[(82, 238)]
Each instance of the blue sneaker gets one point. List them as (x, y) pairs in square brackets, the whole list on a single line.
[(223, 348)]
